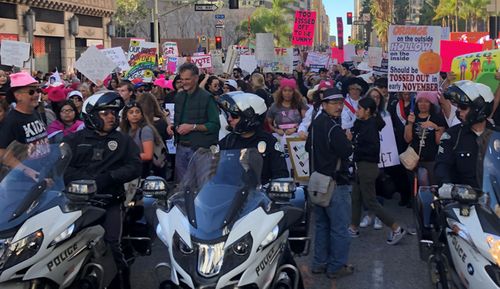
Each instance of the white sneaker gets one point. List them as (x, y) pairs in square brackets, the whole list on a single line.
[(367, 221), (377, 224)]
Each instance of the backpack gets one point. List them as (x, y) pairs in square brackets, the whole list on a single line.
[(159, 152)]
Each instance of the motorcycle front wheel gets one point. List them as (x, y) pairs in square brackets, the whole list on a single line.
[(440, 272)]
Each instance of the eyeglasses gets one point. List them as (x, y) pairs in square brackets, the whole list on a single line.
[(107, 112), (233, 115), (30, 92), (67, 110)]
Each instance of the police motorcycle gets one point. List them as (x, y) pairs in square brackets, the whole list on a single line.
[(50, 235), (459, 228), (222, 230)]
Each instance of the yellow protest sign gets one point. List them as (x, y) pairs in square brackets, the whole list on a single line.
[(478, 66)]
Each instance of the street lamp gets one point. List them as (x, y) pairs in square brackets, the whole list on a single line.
[(110, 27), (74, 25), (29, 21)]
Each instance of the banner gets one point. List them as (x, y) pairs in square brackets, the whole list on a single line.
[(340, 33), (479, 66), (264, 50), (303, 28), (94, 64), (141, 58), (169, 49), (118, 57), (337, 55), (414, 61), (451, 49), (374, 56), (299, 158), (282, 62), (14, 53), (389, 155)]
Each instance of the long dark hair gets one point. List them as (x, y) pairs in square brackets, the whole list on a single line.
[(125, 124), (58, 108)]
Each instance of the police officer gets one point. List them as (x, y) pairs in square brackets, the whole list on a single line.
[(245, 115), (462, 148), (111, 158)]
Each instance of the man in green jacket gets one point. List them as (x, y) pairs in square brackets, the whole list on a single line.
[(196, 119)]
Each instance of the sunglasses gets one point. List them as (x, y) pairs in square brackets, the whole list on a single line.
[(30, 92)]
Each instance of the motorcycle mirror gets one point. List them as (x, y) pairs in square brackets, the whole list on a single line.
[(81, 190), (281, 189), (154, 187)]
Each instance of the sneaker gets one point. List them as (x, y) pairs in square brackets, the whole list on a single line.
[(395, 237), (353, 232), (318, 269), (377, 224), (367, 221), (344, 271)]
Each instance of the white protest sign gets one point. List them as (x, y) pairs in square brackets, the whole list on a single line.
[(414, 61), (374, 56), (389, 155), (282, 61), (14, 53), (264, 50), (349, 52), (118, 57), (169, 49), (299, 158), (171, 142), (142, 60), (217, 65), (230, 60), (94, 64), (248, 63)]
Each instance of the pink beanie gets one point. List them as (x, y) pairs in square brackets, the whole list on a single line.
[(430, 96), (288, 82), (56, 93)]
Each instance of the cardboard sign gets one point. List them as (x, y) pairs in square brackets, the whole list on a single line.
[(171, 64), (264, 50), (169, 49), (349, 52), (118, 57), (14, 53), (141, 58), (217, 65), (282, 62), (337, 55), (94, 64), (479, 66), (374, 56), (451, 49), (303, 28), (201, 61), (383, 69), (317, 58), (389, 155), (296, 57), (299, 158), (414, 58), (248, 63)]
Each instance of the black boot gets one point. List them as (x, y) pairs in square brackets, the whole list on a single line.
[(121, 280)]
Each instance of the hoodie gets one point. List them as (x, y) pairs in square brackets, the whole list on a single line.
[(366, 139)]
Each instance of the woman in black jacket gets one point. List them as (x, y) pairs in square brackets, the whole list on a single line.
[(366, 141)]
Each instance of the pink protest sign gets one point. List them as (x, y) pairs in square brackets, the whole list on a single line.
[(338, 54), (451, 49), (303, 28)]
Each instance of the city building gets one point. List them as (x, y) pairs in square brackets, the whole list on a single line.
[(59, 30), (322, 29)]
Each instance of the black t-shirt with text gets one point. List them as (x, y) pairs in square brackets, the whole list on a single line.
[(429, 146)]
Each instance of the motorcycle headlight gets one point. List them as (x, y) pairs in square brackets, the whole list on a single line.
[(21, 250), (494, 249), (270, 237), (63, 236), (460, 230), (210, 259), (464, 194), (281, 189)]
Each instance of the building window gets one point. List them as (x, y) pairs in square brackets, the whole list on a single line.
[(8, 11), (90, 21), (50, 16)]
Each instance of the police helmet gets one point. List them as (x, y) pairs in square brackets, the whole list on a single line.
[(248, 107), (102, 100), (477, 96)]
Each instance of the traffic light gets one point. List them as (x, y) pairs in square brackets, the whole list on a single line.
[(218, 42), (349, 38), (234, 4), (349, 18)]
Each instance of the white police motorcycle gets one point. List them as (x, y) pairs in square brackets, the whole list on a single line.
[(222, 230)]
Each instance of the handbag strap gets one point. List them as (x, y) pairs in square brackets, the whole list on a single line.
[(420, 145)]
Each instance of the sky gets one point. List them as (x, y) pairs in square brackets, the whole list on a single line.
[(339, 8)]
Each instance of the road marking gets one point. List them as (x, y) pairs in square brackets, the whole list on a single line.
[(378, 274)]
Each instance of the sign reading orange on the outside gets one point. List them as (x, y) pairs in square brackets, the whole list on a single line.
[(303, 29)]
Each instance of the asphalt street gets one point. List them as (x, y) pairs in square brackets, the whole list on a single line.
[(377, 265)]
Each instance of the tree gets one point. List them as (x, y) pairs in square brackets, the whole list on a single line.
[(128, 14), (275, 20), (382, 12), (428, 12), (445, 12), (475, 11), (401, 11)]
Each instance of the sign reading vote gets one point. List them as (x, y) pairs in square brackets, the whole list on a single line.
[(303, 28)]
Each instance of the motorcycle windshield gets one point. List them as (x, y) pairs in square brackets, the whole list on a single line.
[(21, 195), (491, 172), (229, 191)]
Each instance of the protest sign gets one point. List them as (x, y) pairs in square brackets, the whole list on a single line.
[(171, 64), (296, 57), (231, 56), (389, 155), (118, 57), (383, 69), (248, 63), (201, 61), (479, 66), (14, 53), (303, 28), (451, 49), (317, 58), (141, 58), (299, 158), (414, 61), (94, 64), (282, 61), (374, 56), (170, 107), (169, 49), (264, 50), (349, 52), (217, 65), (337, 55)]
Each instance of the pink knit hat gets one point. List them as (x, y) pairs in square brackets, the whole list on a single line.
[(162, 82), (57, 93), (288, 82), (22, 79), (430, 96)]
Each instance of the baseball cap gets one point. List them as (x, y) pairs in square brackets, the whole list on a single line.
[(326, 84), (332, 94), (232, 83)]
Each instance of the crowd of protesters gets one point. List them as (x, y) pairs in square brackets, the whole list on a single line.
[(296, 103)]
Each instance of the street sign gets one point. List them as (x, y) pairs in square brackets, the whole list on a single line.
[(219, 22), (219, 26), (203, 38), (205, 7), (220, 16), (359, 22)]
